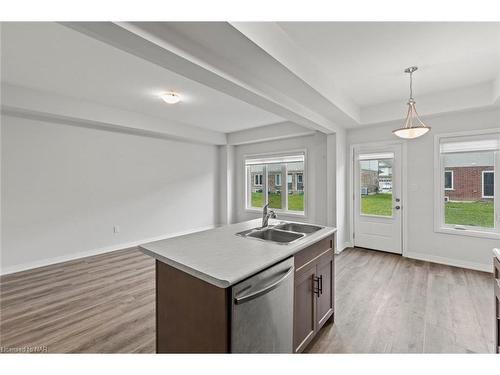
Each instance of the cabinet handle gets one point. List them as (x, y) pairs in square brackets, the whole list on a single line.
[(321, 284), (316, 290)]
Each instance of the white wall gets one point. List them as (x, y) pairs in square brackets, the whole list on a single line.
[(422, 241), (316, 177), (342, 172), (64, 187)]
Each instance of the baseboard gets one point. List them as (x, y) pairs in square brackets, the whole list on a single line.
[(449, 261), (345, 246), (84, 254)]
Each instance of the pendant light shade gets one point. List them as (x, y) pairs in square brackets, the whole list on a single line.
[(413, 127)]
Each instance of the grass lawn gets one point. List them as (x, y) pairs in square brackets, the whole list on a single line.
[(459, 213), (469, 213), (377, 204), (295, 201)]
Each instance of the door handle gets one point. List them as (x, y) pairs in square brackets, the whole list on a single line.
[(266, 289)]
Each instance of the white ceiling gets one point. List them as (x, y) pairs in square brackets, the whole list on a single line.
[(234, 76), (56, 59), (367, 59)]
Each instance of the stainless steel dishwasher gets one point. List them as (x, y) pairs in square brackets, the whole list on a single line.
[(262, 311)]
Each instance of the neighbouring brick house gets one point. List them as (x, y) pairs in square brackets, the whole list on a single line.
[(469, 177), (295, 178)]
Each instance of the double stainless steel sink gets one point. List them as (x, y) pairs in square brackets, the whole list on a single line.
[(283, 233)]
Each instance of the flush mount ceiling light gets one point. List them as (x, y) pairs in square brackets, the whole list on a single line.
[(413, 127), (170, 97)]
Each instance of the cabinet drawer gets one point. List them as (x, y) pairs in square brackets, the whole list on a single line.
[(308, 255)]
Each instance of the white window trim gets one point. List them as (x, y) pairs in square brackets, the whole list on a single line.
[(452, 180), (482, 184), (280, 212), (439, 193)]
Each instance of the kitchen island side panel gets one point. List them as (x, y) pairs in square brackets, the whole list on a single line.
[(192, 316)]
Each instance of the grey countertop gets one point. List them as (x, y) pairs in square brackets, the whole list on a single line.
[(223, 259), (496, 252)]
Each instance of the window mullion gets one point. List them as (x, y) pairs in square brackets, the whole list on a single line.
[(285, 204), (264, 186)]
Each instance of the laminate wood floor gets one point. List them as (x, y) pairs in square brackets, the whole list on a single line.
[(384, 303), (99, 304), (389, 304)]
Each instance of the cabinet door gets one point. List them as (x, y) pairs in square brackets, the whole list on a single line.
[(304, 318), (497, 320), (325, 273)]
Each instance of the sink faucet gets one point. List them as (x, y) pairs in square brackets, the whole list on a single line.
[(266, 215)]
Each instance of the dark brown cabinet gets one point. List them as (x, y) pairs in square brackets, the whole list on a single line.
[(497, 304), (314, 291), (324, 272), (304, 319)]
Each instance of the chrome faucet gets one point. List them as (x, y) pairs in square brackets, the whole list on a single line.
[(266, 215)]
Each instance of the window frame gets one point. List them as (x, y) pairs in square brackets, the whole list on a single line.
[(452, 180), (482, 184), (280, 212), (439, 192)]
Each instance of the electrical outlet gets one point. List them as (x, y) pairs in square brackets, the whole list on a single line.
[(116, 229)]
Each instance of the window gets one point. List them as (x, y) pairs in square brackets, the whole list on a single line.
[(289, 180), (300, 182), (488, 184), (465, 200), (258, 180), (268, 188), (448, 180), (277, 179)]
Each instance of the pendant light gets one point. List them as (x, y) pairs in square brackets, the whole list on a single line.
[(413, 127)]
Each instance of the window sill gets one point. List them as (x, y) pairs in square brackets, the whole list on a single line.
[(468, 232), (278, 212)]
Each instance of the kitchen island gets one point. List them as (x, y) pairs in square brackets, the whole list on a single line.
[(201, 277)]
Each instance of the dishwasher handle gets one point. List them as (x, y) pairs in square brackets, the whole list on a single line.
[(260, 292)]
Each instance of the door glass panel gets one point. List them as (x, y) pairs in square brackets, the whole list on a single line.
[(375, 181), (274, 186), (255, 180)]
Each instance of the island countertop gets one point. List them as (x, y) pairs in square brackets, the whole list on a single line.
[(223, 259)]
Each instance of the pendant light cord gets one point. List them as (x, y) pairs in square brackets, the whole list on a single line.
[(411, 85)]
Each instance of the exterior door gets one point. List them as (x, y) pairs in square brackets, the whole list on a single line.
[(377, 198)]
